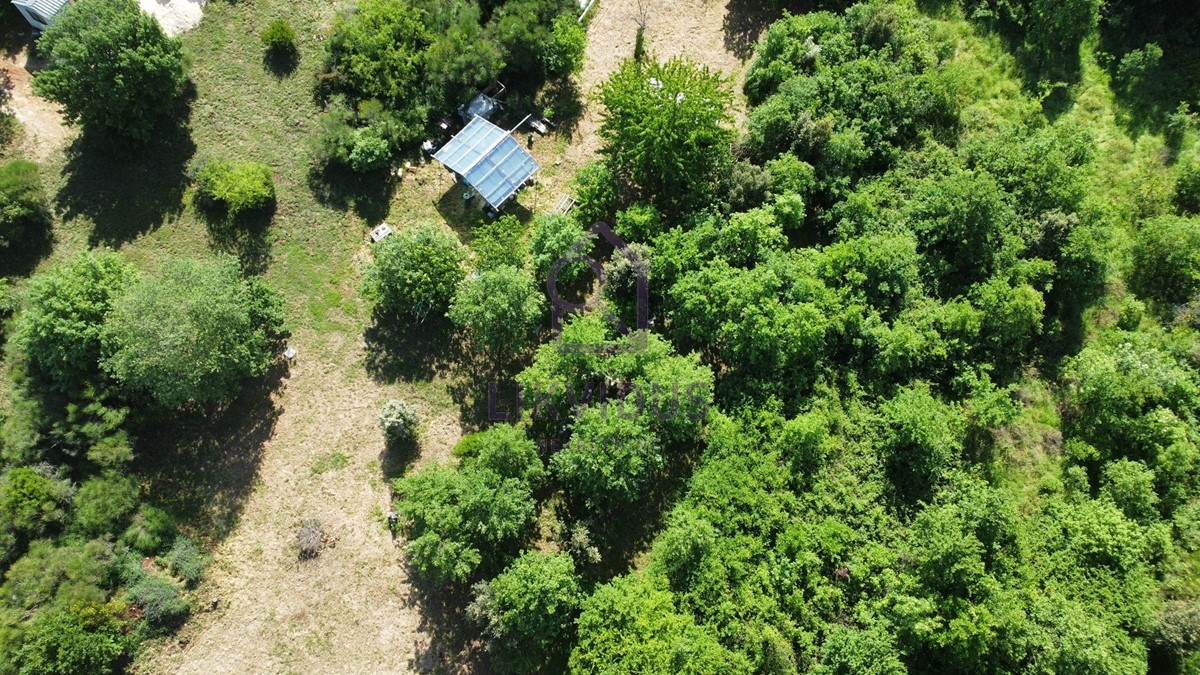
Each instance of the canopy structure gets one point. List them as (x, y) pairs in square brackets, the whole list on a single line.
[(489, 159), (39, 13)]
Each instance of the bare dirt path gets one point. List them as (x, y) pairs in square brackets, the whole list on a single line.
[(350, 610), (45, 132)]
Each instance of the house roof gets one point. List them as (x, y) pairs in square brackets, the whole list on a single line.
[(489, 159), (47, 8)]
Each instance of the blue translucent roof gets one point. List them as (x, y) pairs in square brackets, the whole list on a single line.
[(489, 159)]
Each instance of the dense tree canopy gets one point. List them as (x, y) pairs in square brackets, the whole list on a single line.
[(111, 67), (193, 334)]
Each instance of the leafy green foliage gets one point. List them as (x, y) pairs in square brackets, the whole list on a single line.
[(104, 503), (160, 599), (460, 521), (31, 503), (87, 638), (1166, 259), (150, 530), (23, 208), (186, 561), (193, 334), (667, 141), (528, 610), (560, 241), (611, 459), (111, 68), (415, 272), (236, 187), (279, 36), (65, 310), (506, 451), (499, 309), (399, 421)]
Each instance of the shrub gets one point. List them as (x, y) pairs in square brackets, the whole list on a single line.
[(150, 530), (160, 600), (31, 502), (399, 421), (186, 561), (528, 610), (500, 310), (506, 451), (237, 187), (279, 37), (87, 638), (309, 538), (111, 67), (1187, 186), (193, 334), (22, 201), (102, 504), (415, 272), (65, 308), (562, 55)]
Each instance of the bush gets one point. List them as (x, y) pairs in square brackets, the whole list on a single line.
[(562, 55), (111, 67), (528, 611), (499, 309), (279, 37), (1187, 186), (399, 420), (30, 502), (150, 530), (186, 561), (65, 308), (236, 187), (415, 272), (84, 639), (102, 504), (160, 600), (193, 334), (506, 451), (22, 202)]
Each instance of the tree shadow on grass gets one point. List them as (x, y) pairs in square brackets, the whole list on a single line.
[(400, 349), (281, 62), (244, 236), (463, 215), (1148, 90), (453, 644), (202, 465), (22, 256), (127, 191), (745, 21), (367, 194)]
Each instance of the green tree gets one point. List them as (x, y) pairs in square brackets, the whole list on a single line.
[(87, 638), (103, 504), (415, 273), (111, 67), (630, 626), (1166, 259), (505, 450), (527, 611), (193, 334), (65, 308), (459, 521), (500, 310), (922, 441), (22, 202), (610, 460), (667, 130), (557, 237)]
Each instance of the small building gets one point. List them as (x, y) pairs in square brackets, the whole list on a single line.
[(489, 159), (40, 13)]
